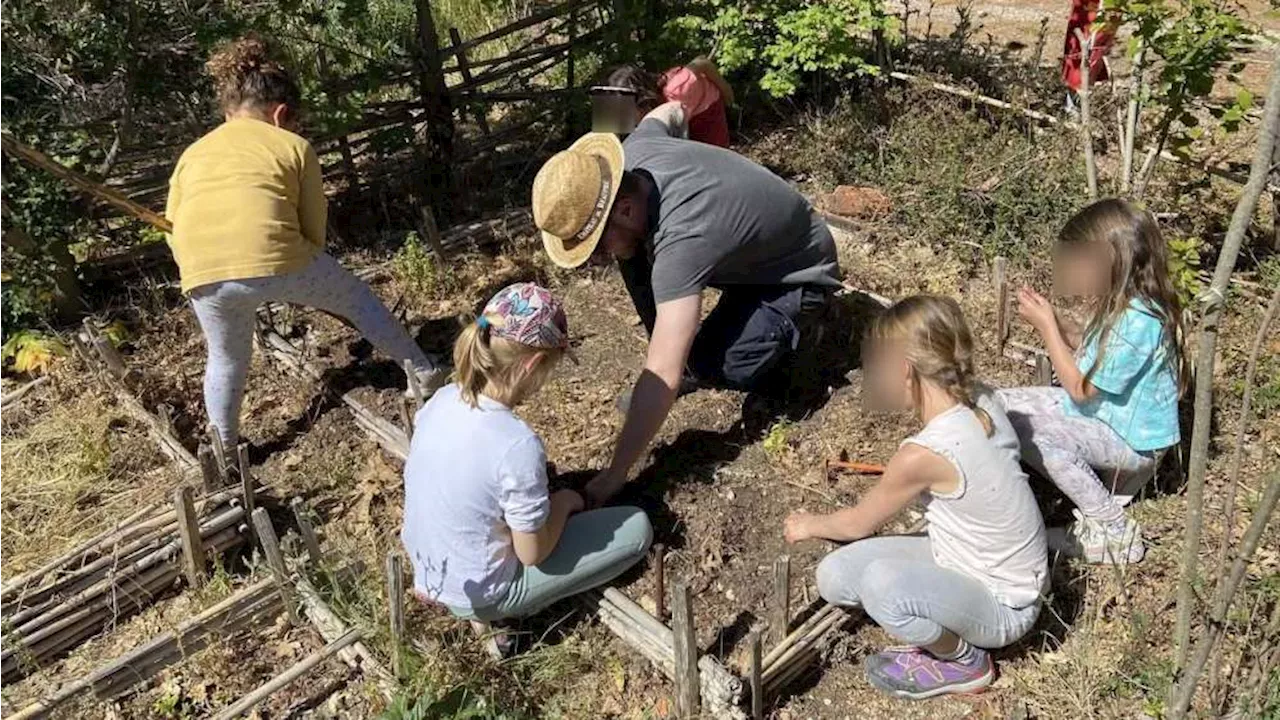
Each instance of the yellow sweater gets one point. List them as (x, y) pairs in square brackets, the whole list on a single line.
[(246, 201)]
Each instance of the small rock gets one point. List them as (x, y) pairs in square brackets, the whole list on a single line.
[(857, 202), (292, 461), (730, 495), (728, 595)]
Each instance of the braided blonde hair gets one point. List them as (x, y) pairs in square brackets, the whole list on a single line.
[(934, 337)]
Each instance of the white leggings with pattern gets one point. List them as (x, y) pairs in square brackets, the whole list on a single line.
[(1073, 451), (226, 311)]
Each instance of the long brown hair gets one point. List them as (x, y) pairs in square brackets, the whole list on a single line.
[(934, 337), (481, 360), (245, 73), (633, 77), (1139, 270)]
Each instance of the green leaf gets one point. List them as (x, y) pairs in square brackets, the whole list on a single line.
[(1244, 99)]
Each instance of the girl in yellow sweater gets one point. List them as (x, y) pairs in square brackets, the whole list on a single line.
[(249, 216)]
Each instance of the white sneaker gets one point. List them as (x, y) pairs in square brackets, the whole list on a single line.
[(1092, 541), (430, 381)]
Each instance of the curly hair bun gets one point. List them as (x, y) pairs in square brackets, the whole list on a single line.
[(244, 71)]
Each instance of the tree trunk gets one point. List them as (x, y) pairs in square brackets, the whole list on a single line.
[(438, 114), (1134, 110), (1214, 300)]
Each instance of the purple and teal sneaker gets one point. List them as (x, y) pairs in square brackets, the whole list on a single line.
[(913, 674)]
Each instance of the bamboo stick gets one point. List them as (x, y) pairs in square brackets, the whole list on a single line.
[(16, 585), (330, 627), (822, 613), (1002, 301), (299, 669), (659, 579)]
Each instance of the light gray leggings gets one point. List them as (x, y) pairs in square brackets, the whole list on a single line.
[(226, 311), (895, 579), (1073, 451)]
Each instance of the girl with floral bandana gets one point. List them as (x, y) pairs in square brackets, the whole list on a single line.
[(486, 537)]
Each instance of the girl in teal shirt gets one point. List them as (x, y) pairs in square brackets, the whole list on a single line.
[(1100, 435)]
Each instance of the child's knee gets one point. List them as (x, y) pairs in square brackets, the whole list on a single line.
[(637, 532), (835, 582)]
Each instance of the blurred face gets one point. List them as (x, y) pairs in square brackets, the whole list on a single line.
[(1082, 270), (887, 382), (624, 233)]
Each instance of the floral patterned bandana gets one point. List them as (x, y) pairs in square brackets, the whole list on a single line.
[(528, 314)]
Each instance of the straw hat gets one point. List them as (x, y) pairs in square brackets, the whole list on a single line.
[(573, 194)]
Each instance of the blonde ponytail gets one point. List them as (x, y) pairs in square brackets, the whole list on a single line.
[(485, 364)]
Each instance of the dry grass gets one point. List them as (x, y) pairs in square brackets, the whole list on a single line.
[(68, 473)]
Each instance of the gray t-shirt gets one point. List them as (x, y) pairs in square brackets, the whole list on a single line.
[(722, 220)]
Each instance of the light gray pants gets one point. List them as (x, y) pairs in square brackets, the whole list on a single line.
[(895, 579), (226, 311), (596, 547), (1073, 451)]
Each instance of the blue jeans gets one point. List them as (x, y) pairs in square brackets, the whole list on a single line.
[(596, 547), (895, 579), (751, 332)]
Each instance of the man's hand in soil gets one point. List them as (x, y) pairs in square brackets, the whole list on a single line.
[(602, 487), (654, 393)]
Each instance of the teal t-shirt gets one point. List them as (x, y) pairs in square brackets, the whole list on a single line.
[(1137, 387)]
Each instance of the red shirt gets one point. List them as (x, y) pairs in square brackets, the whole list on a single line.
[(1083, 15), (708, 119)]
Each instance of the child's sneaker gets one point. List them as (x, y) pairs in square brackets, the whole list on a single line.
[(914, 674), (498, 643), (1097, 543), (430, 381)]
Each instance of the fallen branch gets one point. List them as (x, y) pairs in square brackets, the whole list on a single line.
[(16, 395), (296, 671)]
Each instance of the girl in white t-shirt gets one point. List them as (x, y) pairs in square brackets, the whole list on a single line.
[(485, 536), (974, 580)]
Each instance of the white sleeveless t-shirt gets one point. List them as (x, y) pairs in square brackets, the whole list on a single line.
[(990, 527)]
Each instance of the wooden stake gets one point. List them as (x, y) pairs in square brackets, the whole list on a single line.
[(1002, 302), (210, 478), (219, 452), (296, 671), (271, 551), (415, 387), (781, 597), (193, 560), (406, 416), (1044, 370), (688, 694), (395, 610), (309, 540), (248, 489), (757, 687), (660, 580), (331, 627)]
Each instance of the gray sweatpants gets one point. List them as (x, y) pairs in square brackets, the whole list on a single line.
[(1092, 465), (895, 579), (226, 311)]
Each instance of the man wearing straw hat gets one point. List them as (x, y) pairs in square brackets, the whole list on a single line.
[(680, 217)]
